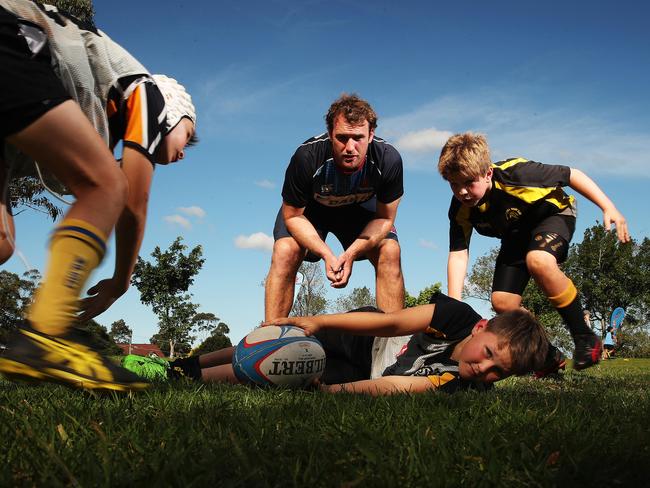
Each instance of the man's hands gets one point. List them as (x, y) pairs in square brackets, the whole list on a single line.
[(338, 270), (613, 216), (102, 296), (308, 324)]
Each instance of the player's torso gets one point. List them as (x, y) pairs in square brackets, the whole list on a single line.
[(332, 188)]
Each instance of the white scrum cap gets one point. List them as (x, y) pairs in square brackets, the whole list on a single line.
[(177, 100)]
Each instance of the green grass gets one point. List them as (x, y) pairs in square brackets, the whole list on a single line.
[(588, 429)]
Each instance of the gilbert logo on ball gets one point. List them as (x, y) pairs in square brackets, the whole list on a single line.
[(278, 355)]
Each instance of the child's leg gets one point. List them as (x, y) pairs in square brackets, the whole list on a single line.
[(64, 142), (219, 374), (216, 358), (547, 250)]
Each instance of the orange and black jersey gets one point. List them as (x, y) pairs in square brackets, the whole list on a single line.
[(136, 114), (523, 194)]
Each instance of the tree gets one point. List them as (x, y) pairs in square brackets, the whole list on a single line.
[(357, 298), (100, 338), (218, 339), (310, 299), (163, 285), (120, 332), (424, 297), (15, 296)]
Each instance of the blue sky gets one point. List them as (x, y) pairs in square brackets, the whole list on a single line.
[(557, 82)]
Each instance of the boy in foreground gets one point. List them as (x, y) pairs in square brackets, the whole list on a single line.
[(452, 348), (49, 60), (522, 203)]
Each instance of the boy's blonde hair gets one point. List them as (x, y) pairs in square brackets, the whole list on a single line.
[(521, 332), (466, 155)]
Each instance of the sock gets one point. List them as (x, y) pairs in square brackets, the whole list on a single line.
[(76, 249), (189, 366), (568, 306)]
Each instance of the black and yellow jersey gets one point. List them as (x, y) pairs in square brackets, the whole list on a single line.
[(523, 194)]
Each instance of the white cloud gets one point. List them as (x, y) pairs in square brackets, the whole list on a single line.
[(269, 185), (428, 244), (596, 142), (423, 141), (178, 220), (193, 211), (258, 240)]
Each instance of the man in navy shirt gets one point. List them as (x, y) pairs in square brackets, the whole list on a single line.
[(348, 182)]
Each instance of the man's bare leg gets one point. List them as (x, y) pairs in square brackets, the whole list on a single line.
[(281, 280), (8, 231), (389, 278)]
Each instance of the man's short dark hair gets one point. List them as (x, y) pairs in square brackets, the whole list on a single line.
[(520, 331), (355, 110)]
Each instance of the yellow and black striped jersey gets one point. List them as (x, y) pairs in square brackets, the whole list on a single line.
[(523, 193)]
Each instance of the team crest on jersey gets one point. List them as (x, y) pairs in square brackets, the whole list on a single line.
[(513, 214), (326, 189), (434, 332)]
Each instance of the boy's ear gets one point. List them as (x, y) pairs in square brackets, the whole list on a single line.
[(489, 173), (480, 326)]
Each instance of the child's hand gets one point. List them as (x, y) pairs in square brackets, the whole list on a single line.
[(613, 216), (308, 324)]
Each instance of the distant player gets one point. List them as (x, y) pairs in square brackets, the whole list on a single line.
[(522, 203)]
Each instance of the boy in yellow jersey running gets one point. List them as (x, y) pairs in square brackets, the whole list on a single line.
[(47, 59), (522, 203)]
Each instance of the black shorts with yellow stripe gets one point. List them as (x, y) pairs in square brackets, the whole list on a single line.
[(551, 235), (28, 86), (136, 114)]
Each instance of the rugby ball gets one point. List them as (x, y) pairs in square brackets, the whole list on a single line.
[(280, 356)]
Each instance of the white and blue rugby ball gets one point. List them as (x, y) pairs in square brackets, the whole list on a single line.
[(280, 356)]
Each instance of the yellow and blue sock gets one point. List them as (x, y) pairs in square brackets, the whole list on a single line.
[(76, 249)]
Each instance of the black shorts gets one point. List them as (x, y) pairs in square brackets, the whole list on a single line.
[(346, 223), (348, 357), (28, 85), (609, 347), (552, 235)]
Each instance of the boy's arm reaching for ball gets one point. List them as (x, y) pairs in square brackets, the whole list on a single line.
[(403, 322)]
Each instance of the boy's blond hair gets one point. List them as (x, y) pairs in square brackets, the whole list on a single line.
[(466, 155), (521, 332)]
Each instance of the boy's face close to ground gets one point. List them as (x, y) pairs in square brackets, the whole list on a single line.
[(481, 359), (172, 147), (470, 191)]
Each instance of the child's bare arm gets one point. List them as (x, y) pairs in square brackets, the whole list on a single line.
[(402, 322), (588, 188), (387, 385), (456, 271)]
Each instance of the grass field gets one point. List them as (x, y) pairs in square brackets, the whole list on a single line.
[(586, 429)]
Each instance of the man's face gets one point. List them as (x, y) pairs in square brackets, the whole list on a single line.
[(470, 191), (481, 359), (350, 143)]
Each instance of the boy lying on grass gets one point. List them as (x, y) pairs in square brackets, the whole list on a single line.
[(452, 348)]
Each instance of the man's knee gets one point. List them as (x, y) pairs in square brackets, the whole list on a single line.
[(287, 255), (504, 302), (387, 256)]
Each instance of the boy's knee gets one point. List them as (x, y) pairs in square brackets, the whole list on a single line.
[(540, 262), (504, 302)]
